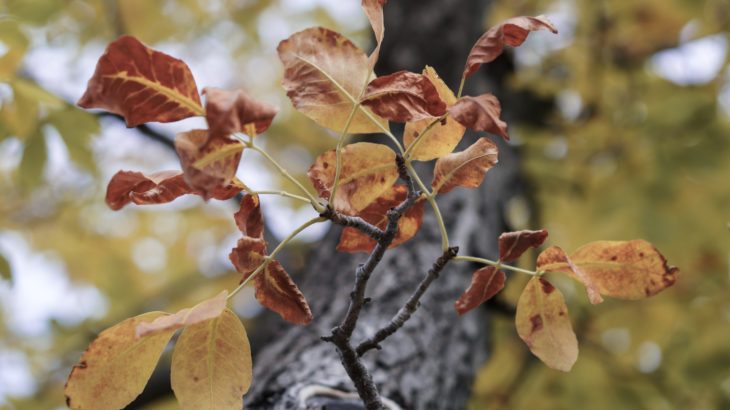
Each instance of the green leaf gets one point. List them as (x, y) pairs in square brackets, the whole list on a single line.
[(76, 127), (30, 171), (5, 270)]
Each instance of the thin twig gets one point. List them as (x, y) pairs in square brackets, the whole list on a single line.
[(353, 222)]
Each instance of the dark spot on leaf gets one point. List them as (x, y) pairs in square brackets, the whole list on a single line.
[(195, 378), (613, 258), (547, 287), (68, 401), (536, 321), (641, 254), (325, 165), (82, 364), (561, 313)]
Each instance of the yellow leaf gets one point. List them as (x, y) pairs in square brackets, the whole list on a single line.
[(115, 367), (211, 365), (203, 311)]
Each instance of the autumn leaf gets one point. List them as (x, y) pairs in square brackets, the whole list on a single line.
[(554, 259), (249, 218), (444, 136), (209, 163), (142, 84), (485, 283), (276, 290), (620, 269), (211, 364), (512, 32), (480, 113), (201, 312), (374, 11), (353, 240), (324, 73), (115, 367), (248, 255), (543, 324), (513, 244), (403, 96), (228, 112), (466, 168), (368, 170)]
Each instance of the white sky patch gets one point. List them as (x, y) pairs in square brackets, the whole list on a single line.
[(16, 377), (693, 62), (542, 43), (149, 254), (650, 357)]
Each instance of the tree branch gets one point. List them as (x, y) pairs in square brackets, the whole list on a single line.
[(353, 222)]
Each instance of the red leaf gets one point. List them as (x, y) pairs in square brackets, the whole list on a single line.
[(276, 291), (512, 32), (248, 255), (404, 96), (513, 244), (228, 112), (480, 113), (208, 163), (554, 259), (248, 218), (485, 283), (142, 84)]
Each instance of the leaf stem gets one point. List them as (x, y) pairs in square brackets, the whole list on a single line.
[(414, 144), (461, 86), (430, 197), (496, 264), (282, 193)]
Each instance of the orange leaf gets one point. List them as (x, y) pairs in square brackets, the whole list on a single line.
[(512, 32), (480, 113), (276, 291), (205, 310), (352, 240), (543, 324), (324, 73), (554, 259), (374, 11), (249, 218), (228, 112), (208, 163), (513, 244), (142, 84), (403, 96), (368, 170), (485, 283), (466, 168), (444, 136), (248, 255)]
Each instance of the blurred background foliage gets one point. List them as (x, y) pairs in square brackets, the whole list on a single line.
[(634, 145)]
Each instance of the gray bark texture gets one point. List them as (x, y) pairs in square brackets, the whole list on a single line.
[(431, 362)]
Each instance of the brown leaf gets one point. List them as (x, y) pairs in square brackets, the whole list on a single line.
[(622, 269), (512, 32), (513, 244), (368, 170), (249, 218), (228, 112), (208, 163), (142, 84), (403, 96), (485, 283), (352, 240), (444, 136), (248, 255), (205, 310), (374, 11), (554, 259), (466, 168), (276, 291), (480, 113), (324, 73), (543, 324)]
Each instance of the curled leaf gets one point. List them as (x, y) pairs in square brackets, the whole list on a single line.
[(201, 312), (352, 240), (444, 136), (466, 168), (324, 73), (277, 291), (115, 367), (485, 283), (208, 163), (142, 84), (249, 218), (543, 324), (211, 365), (248, 255), (512, 32), (228, 112), (554, 259), (374, 11), (513, 244), (480, 113), (368, 170), (403, 96)]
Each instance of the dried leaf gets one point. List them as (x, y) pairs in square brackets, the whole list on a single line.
[(352, 240), (554, 259), (248, 255), (374, 11), (142, 84), (201, 312), (485, 283), (403, 96), (513, 244), (368, 170), (249, 218), (324, 73), (208, 163), (276, 290), (115, 367), (512, 32), (543, 324), (466, 168), (444, 136), (480, 113), (228, 112), (211, 364)]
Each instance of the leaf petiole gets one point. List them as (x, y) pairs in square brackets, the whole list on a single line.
[(423, 133), (496, 264)]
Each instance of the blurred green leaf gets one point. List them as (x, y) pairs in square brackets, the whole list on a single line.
[(76, 127), (5, 272), (33, 163), (12, 37)]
